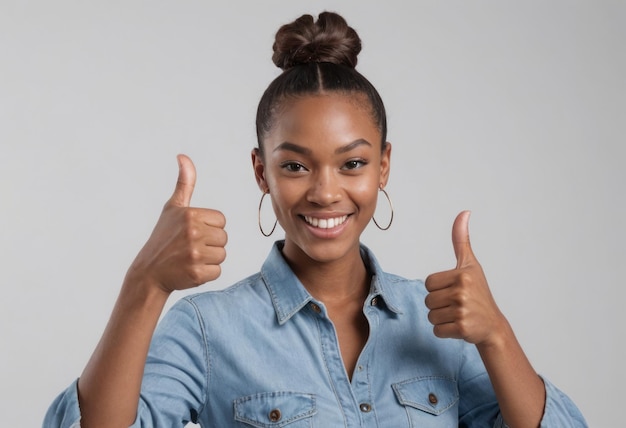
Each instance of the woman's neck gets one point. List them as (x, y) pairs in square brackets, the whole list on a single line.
[(331, 282)]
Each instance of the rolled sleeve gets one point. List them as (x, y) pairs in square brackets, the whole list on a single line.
[(64, 412), (560, 410)]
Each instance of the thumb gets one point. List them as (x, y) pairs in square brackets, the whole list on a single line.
[(186, 182), (461, 240)]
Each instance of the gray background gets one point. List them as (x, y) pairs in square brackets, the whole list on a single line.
[(515, 110)]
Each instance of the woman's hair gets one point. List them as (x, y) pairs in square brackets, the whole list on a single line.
[(317, 56)]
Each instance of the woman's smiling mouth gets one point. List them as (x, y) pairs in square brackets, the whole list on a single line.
[(325, 223)]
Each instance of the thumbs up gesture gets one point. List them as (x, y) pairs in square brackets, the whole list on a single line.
[(186, 246), (460, 302)]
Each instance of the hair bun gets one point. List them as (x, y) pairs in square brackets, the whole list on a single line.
[(303, 41)]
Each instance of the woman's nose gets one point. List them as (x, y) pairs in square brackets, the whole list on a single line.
[(325, 189)]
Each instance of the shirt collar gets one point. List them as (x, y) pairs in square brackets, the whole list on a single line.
[(289, 295)]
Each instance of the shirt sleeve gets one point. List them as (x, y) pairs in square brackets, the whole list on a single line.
[(174, 385), (479, 407), (64, 411), (560, 410)]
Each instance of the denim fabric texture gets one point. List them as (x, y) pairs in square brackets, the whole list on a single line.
[(263, 353)]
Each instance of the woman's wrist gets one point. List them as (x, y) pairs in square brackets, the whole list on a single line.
[(140, 290)]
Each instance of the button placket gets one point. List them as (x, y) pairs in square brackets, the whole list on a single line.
[(361, 379)]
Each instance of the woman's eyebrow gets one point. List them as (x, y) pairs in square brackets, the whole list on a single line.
[(353, 145), (292, 147)]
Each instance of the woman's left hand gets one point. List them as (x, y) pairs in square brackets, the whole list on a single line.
[(460, 302)]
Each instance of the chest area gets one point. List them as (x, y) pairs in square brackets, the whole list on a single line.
[(298, 375)]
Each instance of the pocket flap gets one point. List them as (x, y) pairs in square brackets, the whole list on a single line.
[(274, 409), (430, 394)]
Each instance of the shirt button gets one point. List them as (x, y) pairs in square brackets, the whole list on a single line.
[(433, 398), (316, 308), (374, 301), (365, 407), (274, 415)]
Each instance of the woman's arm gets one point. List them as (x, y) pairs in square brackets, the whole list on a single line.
[(183, 251), (461, 306), (519, 389), (109, 386)]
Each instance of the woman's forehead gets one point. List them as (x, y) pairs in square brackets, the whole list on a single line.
[(337, 117)]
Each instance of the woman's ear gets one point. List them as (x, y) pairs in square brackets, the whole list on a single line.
[(259, 169), (385, 164)]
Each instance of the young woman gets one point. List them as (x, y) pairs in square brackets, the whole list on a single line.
[(321, 336)]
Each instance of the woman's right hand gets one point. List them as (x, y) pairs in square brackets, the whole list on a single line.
[(186, 246)]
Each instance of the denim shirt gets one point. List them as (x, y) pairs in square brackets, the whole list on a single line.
[(264, 353)]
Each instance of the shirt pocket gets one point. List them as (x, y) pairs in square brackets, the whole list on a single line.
[(427, 397), (276, 409)]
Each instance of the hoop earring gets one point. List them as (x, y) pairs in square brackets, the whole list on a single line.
[(261, 227), (390, 207)]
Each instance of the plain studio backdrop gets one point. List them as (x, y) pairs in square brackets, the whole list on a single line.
[(515, 110)]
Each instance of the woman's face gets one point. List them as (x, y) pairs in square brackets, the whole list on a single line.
[(323, 167)]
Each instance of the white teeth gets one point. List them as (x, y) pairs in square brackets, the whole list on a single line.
[(325, 223)]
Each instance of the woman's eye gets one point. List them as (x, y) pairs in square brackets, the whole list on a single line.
[(354, 164), (293, 167)]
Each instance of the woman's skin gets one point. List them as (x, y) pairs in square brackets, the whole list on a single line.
[(321, 160)]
